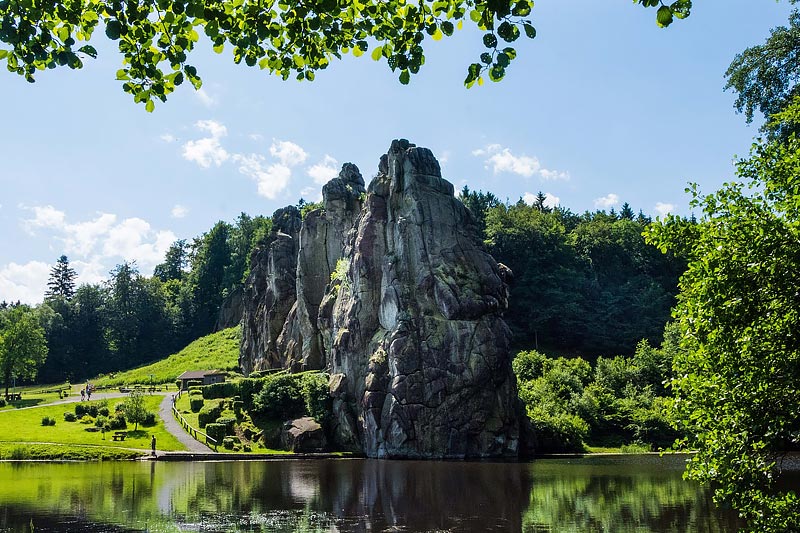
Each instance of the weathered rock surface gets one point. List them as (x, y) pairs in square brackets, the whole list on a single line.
[(269, 292), (410, 325), (230, 313), (303, 435)]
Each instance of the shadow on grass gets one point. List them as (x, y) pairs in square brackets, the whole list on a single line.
[(18, 404)]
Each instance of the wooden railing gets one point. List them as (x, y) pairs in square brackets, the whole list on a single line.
[(194, 432)]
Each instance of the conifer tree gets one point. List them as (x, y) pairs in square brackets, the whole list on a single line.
[(62, 280)]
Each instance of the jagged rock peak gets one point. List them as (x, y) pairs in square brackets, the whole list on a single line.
[(345, 191), (287, 220)]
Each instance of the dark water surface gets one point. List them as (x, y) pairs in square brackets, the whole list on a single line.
[(602, 494)]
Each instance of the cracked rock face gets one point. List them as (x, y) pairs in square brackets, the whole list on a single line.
[(410, 325)]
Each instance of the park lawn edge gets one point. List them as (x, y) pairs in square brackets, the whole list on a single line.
[(24, 451)]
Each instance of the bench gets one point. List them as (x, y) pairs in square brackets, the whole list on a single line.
[(119, 435), (13, 396)]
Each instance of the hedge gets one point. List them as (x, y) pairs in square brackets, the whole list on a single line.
[(216, 431), (209, 413), (226, 389), (228, 423), (196, 403)]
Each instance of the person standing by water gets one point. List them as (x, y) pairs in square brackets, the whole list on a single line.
[(153, 445)]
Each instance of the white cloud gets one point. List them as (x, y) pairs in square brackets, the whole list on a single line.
[(205, 98), (444, 157), (179, 211), (664, 208), (288, 153), (45, 217), (168, 138), (26, 283), (270, 179), (81, 238), (134, 240), (500, 159), (256, 137), (208, 150), (607, 201), (324, 171), (550, 199)]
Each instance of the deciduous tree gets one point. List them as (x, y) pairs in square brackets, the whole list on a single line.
[(23, 348)]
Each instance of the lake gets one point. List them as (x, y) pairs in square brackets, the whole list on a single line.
[(602, 494)]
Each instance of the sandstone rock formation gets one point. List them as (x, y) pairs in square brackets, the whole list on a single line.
[(410, 324), (303, 435)]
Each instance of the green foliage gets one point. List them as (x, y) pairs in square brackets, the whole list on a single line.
[(196, 404), (281, 398), (62, 280), (317, 397), (249, 388), (765, 76), (737, 382), (216, 431), (135, 410), (226, 389), (48, 421), (570, 403), (70, 417), (227, 422), (229, 442), (65, 452), (23, 347), (209, 413), (339, 274), (586, 285), (117, 421)]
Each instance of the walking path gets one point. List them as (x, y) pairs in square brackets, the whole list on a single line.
[(174, 427)]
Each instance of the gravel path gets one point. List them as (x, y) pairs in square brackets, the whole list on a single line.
[(174, 427)]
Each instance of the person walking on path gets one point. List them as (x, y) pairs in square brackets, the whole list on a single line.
[(83, 394), (153, 445)]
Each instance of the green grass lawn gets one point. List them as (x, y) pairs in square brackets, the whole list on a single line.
[(25, 425), (218, 351), (72, 452)]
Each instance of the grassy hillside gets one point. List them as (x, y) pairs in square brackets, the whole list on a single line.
[(218, 351)]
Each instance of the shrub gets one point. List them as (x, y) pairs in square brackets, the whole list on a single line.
[(228, 423), (216, 431), (86, 419), (117, 421), (316, 396), (246, 448), (249, 388), (196, 403), (195, 392), (281, 398), (209, 413), (69, 416), (83, 409), (103, 411), (149, 420), (19, 453), (101, 421), (2, 402), (529, 365), (119, 408), (225, 389), (48, 421), (229, 442)]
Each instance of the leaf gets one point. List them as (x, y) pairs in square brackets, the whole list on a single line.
[(437, 35), (219, 48), (3, 54), (447, 28), (489, 40), (377, 53), (664, 17), (530, 31), (150, 106), (357, 51), (89, 51), (405, 77), (113, 29)]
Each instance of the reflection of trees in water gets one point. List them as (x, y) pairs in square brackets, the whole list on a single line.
[(618, 498)]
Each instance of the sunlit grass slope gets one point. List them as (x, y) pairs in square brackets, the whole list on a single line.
[(218, 351)]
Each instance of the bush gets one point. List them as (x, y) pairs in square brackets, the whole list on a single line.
[(228, 423), (281, 398), (216, 431), (249, 388), (117, 421), (48, 421), (101, 421), (229, 442), (69, 416), (317, 397), (103, 411), (2, 402), (209, 413), (149, 420), (225, 389), (196, 403), (86, 419), (195, 392), (91, 409)]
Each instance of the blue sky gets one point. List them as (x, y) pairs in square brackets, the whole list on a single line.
[(601, 108)]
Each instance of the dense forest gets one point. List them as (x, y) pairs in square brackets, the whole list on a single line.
[(131, 319)]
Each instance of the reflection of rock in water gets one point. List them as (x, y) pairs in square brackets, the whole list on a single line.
[(426, 496)]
